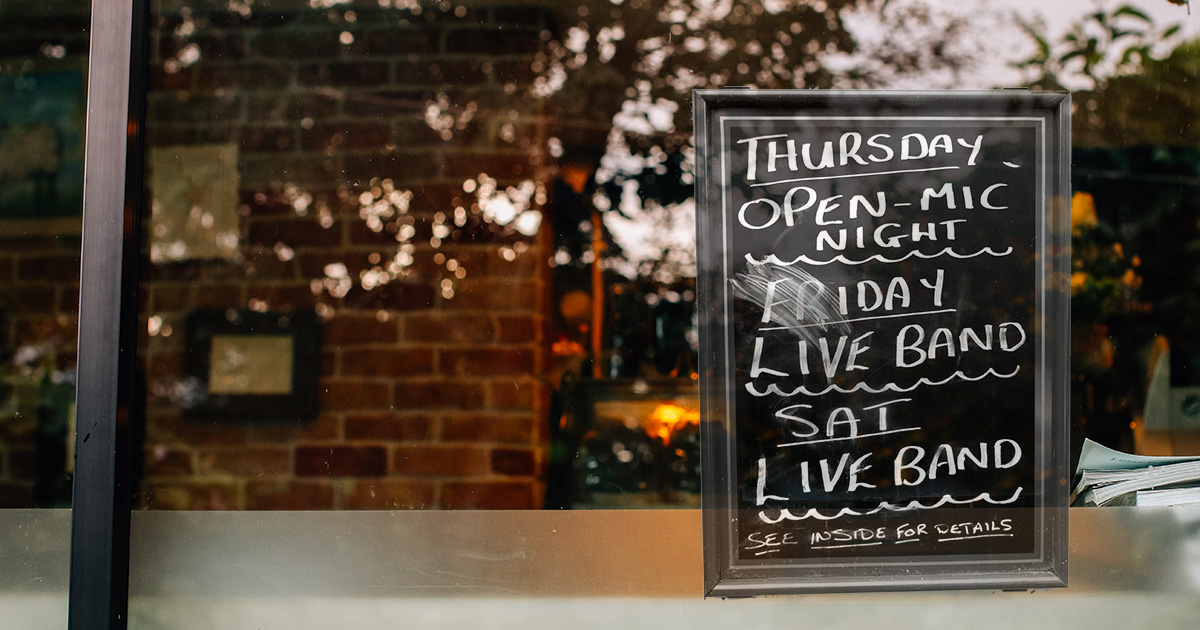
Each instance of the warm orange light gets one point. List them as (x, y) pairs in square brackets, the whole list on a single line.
[(568, 348), (576, 176), (667, 417), (1083, 212), (669, 413)]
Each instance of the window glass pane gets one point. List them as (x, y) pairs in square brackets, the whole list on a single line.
[(439, 255), (43, 66)]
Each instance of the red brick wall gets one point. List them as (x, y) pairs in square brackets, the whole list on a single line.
[(431, 388), (39, 298)]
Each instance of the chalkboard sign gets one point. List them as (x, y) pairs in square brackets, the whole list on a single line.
[(885, 318)]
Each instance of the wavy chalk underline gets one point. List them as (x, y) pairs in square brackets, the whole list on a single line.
[(949, 251), (887, 387), (853, 175), (915, 504)]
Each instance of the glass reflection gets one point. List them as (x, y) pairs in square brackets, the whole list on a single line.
[(487, 204)]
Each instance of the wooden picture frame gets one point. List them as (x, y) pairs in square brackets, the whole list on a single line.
[(248, 366)]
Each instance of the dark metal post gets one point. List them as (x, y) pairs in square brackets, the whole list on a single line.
[(108, 315)]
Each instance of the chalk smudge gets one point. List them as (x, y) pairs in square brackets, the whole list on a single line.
[(790, 298)]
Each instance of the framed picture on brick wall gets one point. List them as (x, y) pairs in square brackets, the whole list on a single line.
[(41, 150), (247, 366), (195, 198)]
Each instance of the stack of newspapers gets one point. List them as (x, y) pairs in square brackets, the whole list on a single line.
[(1108, 477)]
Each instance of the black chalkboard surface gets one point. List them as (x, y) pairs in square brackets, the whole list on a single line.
[(885, 316)]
